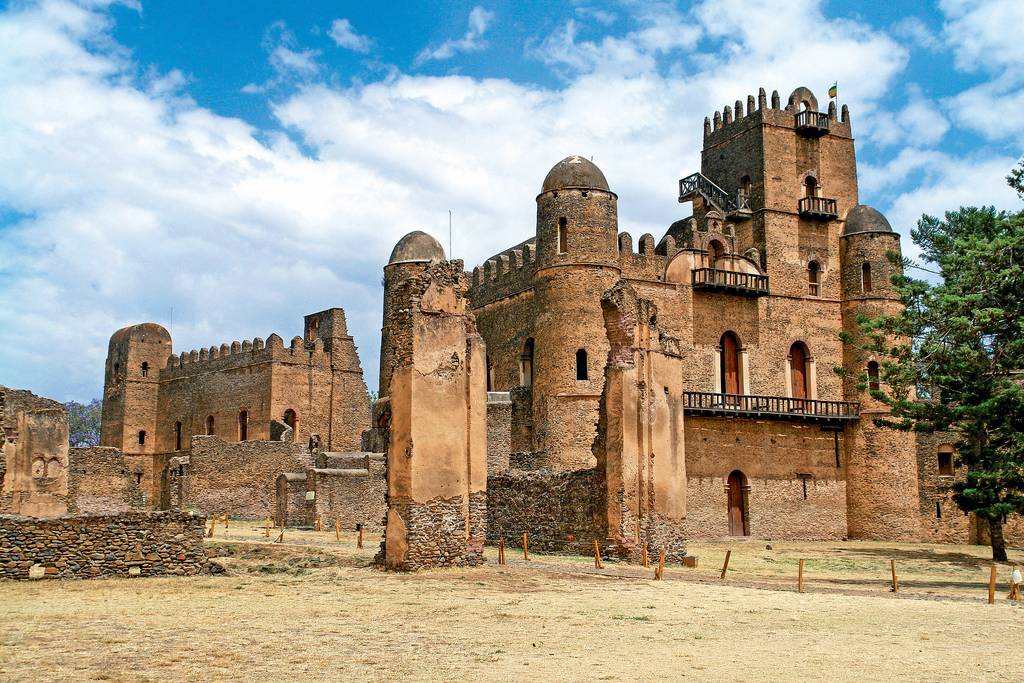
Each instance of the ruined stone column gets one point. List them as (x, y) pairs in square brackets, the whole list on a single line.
[(639, 445), (437, 436)]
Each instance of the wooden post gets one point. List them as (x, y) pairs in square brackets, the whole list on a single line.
[(597, 555), (992, 586), (501, 551), (660, 571), (359, 543), (526, 548), (800, 578), (266, 528), (337, 528), (643, 554), (226, 518), (213, 525), (725, 565), (638, 531), (895, 581)]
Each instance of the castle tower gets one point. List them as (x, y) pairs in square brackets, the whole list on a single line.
[(881, 466), (577, 260), (412, 255), (783, 177), (135, 357)]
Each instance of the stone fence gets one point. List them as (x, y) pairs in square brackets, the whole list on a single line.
[(91, 546)]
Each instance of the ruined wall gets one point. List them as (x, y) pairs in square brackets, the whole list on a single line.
[(35, 454), (353, 495), (238, 477), (437, 450), (93, 546), (777, 459), (499, 431), (560, 511), (100, 482)]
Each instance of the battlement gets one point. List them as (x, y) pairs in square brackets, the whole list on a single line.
[(504, 274), (239, 354), (800, 113), (649, 262)]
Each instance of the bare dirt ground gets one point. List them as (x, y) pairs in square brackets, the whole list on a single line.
[(312, 608)]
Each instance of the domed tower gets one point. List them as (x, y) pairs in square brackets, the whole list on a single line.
[(135, 357), (577, 261), (881, 463), (411, 256)]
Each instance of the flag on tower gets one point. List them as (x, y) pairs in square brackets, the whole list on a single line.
[(834, 90)]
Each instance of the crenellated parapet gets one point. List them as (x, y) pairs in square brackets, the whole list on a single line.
[(801, 111), (244, 353), (505, 274), (648, 261)]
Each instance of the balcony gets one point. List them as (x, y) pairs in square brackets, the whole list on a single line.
[(819, 208), (833, 413), (698, 185), (812, 123), (746, 284)]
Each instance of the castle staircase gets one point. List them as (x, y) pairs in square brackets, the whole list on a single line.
[(699, 185)]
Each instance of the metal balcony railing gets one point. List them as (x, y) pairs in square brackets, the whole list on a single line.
[(697, 184), (748, 284), (770, 407), (821, 208), (813, 123)]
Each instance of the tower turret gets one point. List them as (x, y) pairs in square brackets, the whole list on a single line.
[(135, 357)]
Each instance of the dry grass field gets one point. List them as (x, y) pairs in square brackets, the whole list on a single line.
[(313, 609)]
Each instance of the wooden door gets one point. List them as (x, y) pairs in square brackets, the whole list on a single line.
[(730, 364), (798, 370), (737, 518)]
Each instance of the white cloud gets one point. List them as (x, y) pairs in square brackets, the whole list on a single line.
[(917, 32), (290, 62), (985, 35), (479, 20), (344, 35)]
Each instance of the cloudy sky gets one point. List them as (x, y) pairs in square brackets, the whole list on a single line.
[(224, 168)]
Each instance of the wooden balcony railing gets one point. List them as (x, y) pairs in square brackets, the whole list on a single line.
[(813, 123), (770, 407), (748, 284), (698, 185), (821, 208)]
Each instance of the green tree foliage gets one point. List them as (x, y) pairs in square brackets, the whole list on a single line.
[(953, 359), (84, 422)]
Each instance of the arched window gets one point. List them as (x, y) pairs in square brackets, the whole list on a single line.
[(730, 364), (737, 487), (177, 436), (799, 362), (715, 253), (563, 235), (811, 187), (142, 437), (945, 460), (581, 364), (243, 425), (813, 278), (314, 328), (526, 364), (117, 368), (290, 418), (865, 277), (745, 190), (873, 383), (209, 425), (145, 368)]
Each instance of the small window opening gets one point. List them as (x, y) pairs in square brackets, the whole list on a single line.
[(209, 425), (314, 328), (177, 436), (581, 364), (290, 418), (142, 437), (563, 235), (243, 425), (145, 369), (811, 187), (138, 477), (813, 278), (938, 509), (117, 368), (945, 461), (873, 382), (490, 374), (865, 277), (526, 364)]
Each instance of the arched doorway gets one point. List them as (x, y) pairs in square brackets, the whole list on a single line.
[(737, 493), (290, 419), (730, 368), (798, 357)]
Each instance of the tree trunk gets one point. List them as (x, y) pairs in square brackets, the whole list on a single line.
[(995, 527)]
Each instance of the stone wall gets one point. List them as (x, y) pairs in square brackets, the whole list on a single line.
[(558, 510), (91, 546), (101, 483), (353, 496), (238, 477), (499, 431)]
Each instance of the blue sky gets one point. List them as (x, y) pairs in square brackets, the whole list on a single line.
[(224, 168)]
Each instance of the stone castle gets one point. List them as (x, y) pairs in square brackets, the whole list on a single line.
[(574, 386)]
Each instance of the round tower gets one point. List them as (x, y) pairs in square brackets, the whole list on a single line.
[(135, 357), (411, 256), (881, 463), (577, 261)]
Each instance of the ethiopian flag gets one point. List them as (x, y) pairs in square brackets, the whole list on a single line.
[(834, 90)]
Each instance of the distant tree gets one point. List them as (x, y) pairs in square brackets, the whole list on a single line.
[(84, 422), (1016, 178), (953, 357)]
